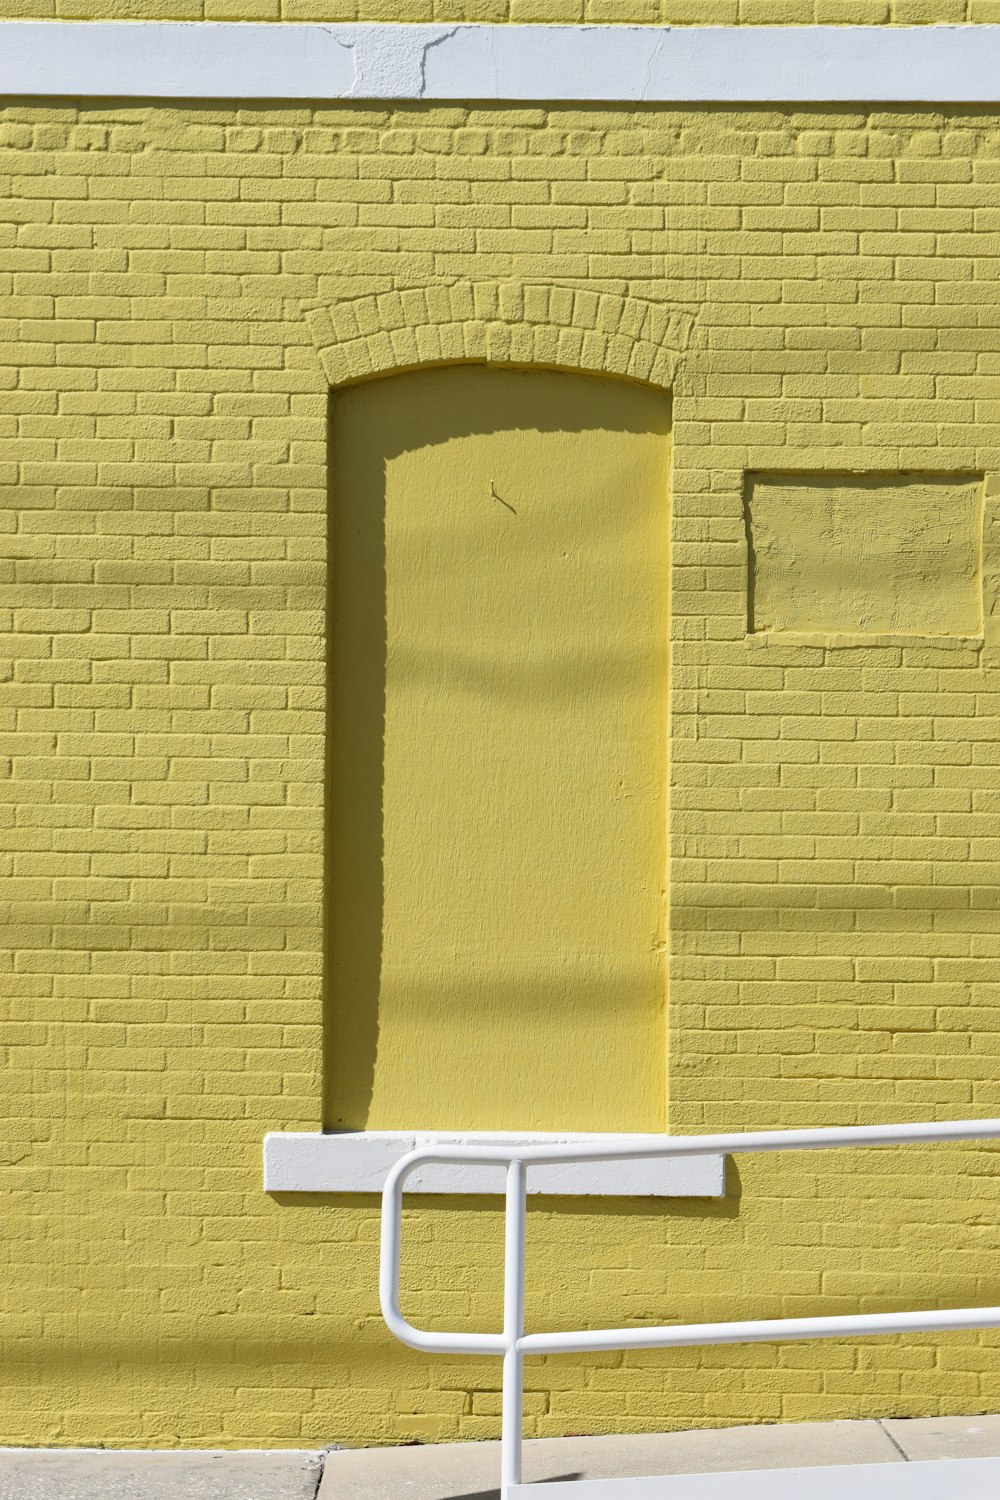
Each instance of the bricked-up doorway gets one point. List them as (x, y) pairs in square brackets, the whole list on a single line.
[(499, 554)]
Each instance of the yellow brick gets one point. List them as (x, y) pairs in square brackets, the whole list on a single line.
[(834, 811)]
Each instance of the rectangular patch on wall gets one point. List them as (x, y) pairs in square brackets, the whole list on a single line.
[(864, 554)]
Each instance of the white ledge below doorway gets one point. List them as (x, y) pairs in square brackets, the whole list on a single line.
[(359, 1161)]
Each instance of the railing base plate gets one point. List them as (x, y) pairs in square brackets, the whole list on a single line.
[(938, 1479)]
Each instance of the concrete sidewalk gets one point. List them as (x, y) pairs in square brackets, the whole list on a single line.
[(469, 1471), (108, 1474)]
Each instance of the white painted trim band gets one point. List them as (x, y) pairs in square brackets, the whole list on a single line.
[(360, 1161), (496, 63)]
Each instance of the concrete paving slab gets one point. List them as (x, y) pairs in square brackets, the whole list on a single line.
[(470, 1471), (946, 1437), (119, 1474)]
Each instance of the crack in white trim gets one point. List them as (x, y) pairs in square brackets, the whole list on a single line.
[(437, 42), (653, 60), (947, 64)]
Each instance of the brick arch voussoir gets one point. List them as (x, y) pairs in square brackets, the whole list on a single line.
[(501, 322)]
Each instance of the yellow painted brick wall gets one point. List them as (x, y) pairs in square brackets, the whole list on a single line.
[(639, 12), (835, 812)]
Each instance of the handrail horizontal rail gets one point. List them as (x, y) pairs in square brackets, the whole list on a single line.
[(760, 1331), (514, 1344), (822, 1138)]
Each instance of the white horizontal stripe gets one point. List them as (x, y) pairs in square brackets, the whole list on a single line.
[(359, 1162), (581, 64)]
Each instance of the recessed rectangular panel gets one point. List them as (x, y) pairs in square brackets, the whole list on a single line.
[(499, 668), (855, 554)]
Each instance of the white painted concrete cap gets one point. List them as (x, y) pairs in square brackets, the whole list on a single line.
[(494, 63), (358, 1162)]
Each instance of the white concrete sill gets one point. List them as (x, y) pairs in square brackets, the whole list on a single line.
[(358, 1162)]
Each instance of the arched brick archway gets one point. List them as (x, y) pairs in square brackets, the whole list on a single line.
[(501, 322), (416, 335)]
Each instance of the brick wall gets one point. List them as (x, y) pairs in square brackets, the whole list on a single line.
[(670, 12), (836, 810)]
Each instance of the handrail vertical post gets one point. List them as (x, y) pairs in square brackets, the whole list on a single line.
[(512, 1407)]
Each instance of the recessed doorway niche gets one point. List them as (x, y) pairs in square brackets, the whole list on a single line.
[(499, 550)]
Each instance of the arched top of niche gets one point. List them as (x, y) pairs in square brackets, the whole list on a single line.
[(501, 322)]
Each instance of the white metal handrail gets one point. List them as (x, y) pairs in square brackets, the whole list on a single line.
[(513, 1343)]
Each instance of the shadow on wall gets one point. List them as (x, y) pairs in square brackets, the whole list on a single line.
[(497, 671)]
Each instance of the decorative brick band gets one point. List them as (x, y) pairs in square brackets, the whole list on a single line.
[(500, 322)]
